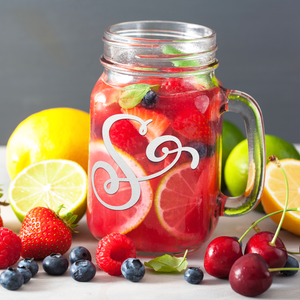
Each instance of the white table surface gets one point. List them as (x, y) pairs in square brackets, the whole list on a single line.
[(153, 285)]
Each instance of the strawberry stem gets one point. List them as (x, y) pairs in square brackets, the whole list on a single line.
[(275, 160)]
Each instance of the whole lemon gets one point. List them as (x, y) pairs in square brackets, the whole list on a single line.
[(236, 167), (56, 133)]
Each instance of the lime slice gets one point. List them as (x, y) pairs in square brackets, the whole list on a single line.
[(50, 183)]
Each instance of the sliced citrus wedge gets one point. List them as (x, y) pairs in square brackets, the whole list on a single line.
[(180, 207), (49, 183), (274, 193), (158, 125), (103, 220)]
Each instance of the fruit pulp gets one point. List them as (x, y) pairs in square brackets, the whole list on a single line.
[(177, 208)]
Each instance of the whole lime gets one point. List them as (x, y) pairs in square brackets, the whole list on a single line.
[(231, 136), (236, 167)]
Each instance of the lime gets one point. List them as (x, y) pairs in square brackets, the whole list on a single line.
[(105, 220), (56, 133), (274, 194), (231, 136), (236, 167), (49, 183)]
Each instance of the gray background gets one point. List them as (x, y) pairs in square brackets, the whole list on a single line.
[(49, 52)]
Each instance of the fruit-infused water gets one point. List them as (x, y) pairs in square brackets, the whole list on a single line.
[(179, 154), (155, 138)]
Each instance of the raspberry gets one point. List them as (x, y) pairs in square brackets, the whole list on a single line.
[(175, 85), (112, 250), (10, 248)]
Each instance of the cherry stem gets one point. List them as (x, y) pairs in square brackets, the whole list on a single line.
[(291, 252), (274, 159), (283, 269), (266, 216)]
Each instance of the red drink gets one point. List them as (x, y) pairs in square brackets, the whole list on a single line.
[(176, 210)]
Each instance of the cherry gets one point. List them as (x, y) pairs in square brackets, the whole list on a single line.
[(220, 255), (249, 275), (275, 255)]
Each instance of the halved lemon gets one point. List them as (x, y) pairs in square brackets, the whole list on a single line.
[(274, 193), (50, 183)]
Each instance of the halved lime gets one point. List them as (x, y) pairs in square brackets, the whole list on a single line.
[(49, 183)]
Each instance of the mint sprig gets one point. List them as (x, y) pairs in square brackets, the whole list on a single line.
[(168, 263), (133, 94)]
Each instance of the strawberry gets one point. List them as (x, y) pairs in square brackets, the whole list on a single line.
[(194, 125), (158, 125), (175, 86), (1, 222), (43, 232)]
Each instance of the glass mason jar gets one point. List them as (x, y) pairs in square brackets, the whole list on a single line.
[(155, 139)]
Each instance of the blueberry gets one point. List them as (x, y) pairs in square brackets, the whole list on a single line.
[(290, 263), (11, 279), (55, 264), (201, 148), (193, 275), (132, 269), (79, 253), (149, 100), (83, 270), (31, 264), (26, 273)]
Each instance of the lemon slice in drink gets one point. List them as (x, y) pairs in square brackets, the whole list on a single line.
[(50, 183), (274, 193)]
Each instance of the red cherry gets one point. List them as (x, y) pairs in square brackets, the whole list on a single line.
[(220, 255), (249, 275), (275, 256)]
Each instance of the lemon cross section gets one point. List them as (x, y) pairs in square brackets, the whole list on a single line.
[(50, 183), (274, 193)]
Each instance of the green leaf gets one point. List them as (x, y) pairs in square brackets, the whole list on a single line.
[(168, 263), (134, 93), (169, 50)]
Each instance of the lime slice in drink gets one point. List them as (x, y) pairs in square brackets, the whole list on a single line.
[(104, 220), (49, 183)]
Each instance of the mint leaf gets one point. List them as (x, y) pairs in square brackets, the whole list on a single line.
[(133, 94), (169, 50), (168, 263)]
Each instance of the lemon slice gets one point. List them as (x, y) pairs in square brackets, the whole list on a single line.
[(274, 193), (50, 183)]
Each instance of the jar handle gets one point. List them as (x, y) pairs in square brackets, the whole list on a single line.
[(247, 107)]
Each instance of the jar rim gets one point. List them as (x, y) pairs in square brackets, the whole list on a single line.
[(135, 32)]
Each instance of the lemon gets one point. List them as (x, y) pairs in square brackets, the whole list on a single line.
[(274, 194), (49, 183), (56, 133), (236, 167), (231, 136)]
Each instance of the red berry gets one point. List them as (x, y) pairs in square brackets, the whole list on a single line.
[(195, 126), (275, 256), (112, 250), (249, 275), (43, 233), (175, 86), (1, 222), (220, 255), (125, 136), (10, 248)]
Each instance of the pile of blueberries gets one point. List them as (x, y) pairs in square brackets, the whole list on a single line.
[(82, 269)]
